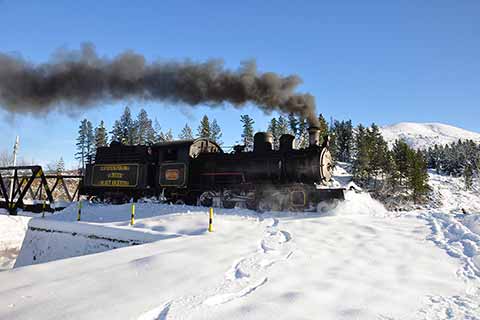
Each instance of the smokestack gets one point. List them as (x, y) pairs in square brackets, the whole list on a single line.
[(314, 136), (82, 79), (262, 142)]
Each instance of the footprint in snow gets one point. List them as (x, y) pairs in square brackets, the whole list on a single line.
[(243, 278)]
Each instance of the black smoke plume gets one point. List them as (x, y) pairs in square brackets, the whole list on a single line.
[(82, 79)]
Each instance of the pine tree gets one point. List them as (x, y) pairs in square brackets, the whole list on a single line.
[(273, 129), (377, 153), (144, 132), (203, 130), (283, 127), (100, 136), (247, 133), (90, 141), (278, 127), (159, 136), (392, 176), (129, 127), (150, 135), (124, 130), (60, 165), (323, 126), (168, 136), (302, 135), (215, 132), (361, 162), (117, 132), (400, 155), (186, 133), (342, 142), (81, 144), (468, 177), (417, 176), (293, 124)]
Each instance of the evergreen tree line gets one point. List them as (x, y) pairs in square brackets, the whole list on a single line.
[(386, 172), (460, 159), (139, 131)]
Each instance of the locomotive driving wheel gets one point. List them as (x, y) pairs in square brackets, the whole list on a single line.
[(206, 199)]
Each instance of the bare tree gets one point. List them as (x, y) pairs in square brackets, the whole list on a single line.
[(6, 158)]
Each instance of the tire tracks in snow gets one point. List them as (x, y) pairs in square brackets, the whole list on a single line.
[(244, 277)]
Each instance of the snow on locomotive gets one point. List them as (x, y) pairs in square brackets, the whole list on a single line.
[(198, 172)]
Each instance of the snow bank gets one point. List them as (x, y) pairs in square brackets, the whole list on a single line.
[(107, 227), (12, 232), (48, 240), (358, 204)]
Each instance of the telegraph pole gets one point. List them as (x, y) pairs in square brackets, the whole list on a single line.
[(15, 152)]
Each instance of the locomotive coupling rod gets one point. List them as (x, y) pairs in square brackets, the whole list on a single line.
[(210, 221), (132, 217)]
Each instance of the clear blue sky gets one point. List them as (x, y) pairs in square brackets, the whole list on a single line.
[(369, 61)]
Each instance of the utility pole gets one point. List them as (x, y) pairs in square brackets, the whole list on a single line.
[(15, 152)]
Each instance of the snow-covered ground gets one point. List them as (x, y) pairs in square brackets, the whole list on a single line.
[(356, 261), (12, 232), (449, 194), (424, 135)]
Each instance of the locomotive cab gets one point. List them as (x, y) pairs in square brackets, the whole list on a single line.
[(174, 163)]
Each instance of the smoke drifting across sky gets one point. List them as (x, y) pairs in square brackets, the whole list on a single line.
[(81, 79)]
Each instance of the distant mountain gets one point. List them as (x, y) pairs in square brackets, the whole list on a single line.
[(424, 135)]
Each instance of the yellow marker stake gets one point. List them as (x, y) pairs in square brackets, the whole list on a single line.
[(79, 210), (132, 218), (210, 221)]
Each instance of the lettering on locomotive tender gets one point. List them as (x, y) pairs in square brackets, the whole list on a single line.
[(115, 175)]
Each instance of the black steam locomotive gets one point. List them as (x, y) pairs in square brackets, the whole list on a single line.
[(198, 172)]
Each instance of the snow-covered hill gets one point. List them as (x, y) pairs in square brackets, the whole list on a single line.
[(424, 135)]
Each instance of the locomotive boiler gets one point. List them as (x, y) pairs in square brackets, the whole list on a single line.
[(199, 172)]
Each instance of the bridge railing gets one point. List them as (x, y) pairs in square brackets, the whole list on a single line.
[(29, 188)]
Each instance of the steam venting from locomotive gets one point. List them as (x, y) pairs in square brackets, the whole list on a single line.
[(75, 80)]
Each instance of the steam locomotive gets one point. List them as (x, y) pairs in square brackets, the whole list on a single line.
[(199, 172)]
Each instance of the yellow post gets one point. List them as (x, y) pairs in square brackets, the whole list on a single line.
[(210, 221), (79, 210), (132, 218), (43, 208)]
